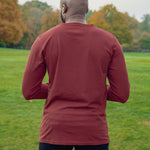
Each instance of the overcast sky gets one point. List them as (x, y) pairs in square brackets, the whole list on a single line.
[(136, 8)]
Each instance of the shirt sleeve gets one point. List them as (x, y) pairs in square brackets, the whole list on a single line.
[(119, 87), (32, 86)]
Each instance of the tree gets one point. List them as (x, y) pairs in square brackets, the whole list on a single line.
[(37, 4), (89, 14), (11, 23), (34, 22), (50, 19), (119, 24), (97, 18), (145, 24), (33, 13), (145, 42), (133, 23)]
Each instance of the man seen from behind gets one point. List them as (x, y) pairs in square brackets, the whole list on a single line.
[(78, 58)]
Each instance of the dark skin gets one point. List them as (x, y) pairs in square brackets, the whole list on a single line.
[(74, 11)]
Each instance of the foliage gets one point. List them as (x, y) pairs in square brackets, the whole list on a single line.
[(34, 22), (2, 44), (145, 24), (129, 124), (37, 4), (97, 18), (50, 19), (133, 26), (33, 13), (135, 46), (110, 19), (88, 15), (127, 47), (11, 24), (119, 25), (25, 42), (133, 23), (131, 34), (145, 42), (20, 26)]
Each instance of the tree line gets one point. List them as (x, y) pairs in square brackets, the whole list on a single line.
[(21, 24)]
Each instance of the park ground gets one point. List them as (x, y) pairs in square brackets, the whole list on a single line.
[(129, 123)]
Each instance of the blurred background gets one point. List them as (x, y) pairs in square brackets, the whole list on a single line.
[(22, 21)]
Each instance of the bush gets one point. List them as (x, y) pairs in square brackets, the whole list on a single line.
[(145, 42), (127, 47), (135, 46), (2, 44)]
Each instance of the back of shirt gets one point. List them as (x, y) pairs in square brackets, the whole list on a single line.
[(78, 58)]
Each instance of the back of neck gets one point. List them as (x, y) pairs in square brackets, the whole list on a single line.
[(76, 19)]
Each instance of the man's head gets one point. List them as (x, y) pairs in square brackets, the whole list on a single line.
[(72, 8)]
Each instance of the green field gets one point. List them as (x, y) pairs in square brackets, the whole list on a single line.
[(129, 123)]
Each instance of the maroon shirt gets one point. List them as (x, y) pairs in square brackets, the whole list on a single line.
[(78, 58)]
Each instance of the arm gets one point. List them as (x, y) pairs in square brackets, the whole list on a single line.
[(32, 86), (119, 87)]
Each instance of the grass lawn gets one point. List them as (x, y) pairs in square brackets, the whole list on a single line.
[(129, 123)]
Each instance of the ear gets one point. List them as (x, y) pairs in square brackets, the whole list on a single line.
[(64, 8)]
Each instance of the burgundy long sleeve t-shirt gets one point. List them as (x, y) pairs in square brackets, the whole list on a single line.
[(78, 58)]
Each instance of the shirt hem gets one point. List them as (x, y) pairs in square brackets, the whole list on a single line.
[(101, 142)]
